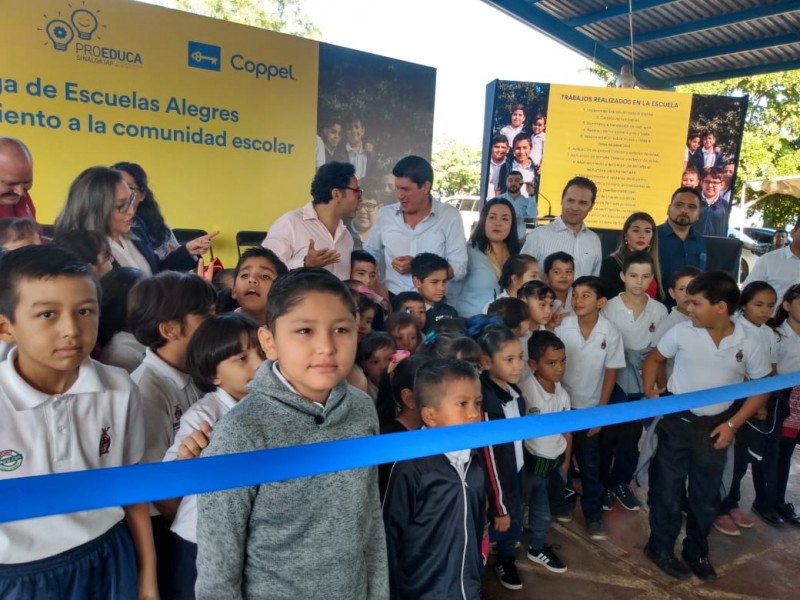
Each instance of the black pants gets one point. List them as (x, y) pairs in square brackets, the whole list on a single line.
[(619, 453), (785, 451), (185, 570), (764, 448), (586, 451), (685, 450)]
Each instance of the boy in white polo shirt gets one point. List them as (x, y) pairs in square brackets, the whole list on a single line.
[(61, 411), (163, 313), (595, 353), (709, 351), (636, 316)]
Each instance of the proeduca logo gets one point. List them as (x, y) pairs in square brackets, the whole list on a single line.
[(82, 27)]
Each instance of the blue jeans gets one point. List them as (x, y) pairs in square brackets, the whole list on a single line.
[(539, 490)]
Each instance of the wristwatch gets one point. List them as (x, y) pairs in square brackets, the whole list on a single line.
[(731, 425)]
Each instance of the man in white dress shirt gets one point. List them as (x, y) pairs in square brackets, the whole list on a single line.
[(568, 233)]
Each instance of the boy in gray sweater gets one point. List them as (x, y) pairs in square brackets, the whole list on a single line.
[(315, 537)]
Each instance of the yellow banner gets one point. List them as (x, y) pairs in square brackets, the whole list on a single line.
[(629, 142), (221, 116)]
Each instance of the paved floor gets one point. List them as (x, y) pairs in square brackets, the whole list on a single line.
[(764, 562)]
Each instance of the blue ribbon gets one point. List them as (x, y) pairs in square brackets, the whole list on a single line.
[(28, 497)]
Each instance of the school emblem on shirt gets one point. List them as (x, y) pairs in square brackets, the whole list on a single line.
[(105, 441), (652, 327), (739, 356), (176, 424), (533, 410), (10, 460), (603, 345)]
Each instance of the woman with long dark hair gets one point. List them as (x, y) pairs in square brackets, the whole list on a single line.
[(638, 235)]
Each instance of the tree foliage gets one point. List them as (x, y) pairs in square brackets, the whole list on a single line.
[(285, 16), (457, 167)]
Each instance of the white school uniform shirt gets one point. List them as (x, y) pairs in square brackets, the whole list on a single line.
[(566, 307), (638, 333), (542, 402), (788, 349), (700, 365), (764, 334), (124, 351), (510, 411), (209, 408), (587, 360), (673, 318), (97, 423), (779, 268), (167, 394)]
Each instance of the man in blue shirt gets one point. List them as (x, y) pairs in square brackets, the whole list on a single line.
[(678, 243)]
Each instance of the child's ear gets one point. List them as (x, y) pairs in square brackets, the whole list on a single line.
[(170, 330), (601, 302), (407, 398), (486, 362), (416, 281), (672, 293), (532, 364), (428, 414), (6, 330), (622, 275), (267, 341)]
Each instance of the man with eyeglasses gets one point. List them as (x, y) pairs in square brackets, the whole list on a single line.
[(16, 178), (713, 208), (361, 225), (315, 235)]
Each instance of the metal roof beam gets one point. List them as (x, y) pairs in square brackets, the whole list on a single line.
[(771, 10), (661, 61), (613, 11), (545, 23), (760, 69)]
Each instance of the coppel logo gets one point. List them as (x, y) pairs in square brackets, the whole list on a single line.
[(82, 27), (262, 70), (204, 56)]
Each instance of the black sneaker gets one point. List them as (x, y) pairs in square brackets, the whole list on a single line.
[(700, 566), (595, 530), (546, 557), (787, 512), (668, 564), (607, 499), (564, 517), (625, 496), (507, 574)]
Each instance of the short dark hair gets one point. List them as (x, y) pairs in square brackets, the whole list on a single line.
[(403, 297), (14, 228), (330, 176), (433, 377), (513, 311), (261, 252), (362, 256), (217, 339), (522, 136), (289, 290), (715, 172), (36, 263), (640, 257), (547, 265), (595, 283), (540, 341), (716, 287), (400, 320), (450, 326), (684, 271), (492, 338), (116, 286), (415, 168), (87, 245), (536, 289), (515, 265), (372, 342), (513, 172), (426, 263), (499, 138), (685, 189), (582, 182), (405, 373), (168, 296)]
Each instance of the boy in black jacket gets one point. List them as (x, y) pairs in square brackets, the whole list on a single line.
[(429, 273), (434, 506)]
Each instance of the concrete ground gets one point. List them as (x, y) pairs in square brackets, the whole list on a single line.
[(763, 562)]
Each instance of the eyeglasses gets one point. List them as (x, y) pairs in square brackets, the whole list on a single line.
[(711, 182), (368, 206), (126, 205), (357, 190)]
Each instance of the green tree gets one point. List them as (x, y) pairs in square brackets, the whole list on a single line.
[(457, 167), (285, 16)]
